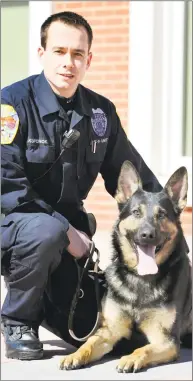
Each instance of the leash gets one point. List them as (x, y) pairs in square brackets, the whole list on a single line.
[(79, 293)]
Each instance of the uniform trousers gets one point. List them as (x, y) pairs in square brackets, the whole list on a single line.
[(41, 276)]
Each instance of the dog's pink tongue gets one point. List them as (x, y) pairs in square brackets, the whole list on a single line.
[(146, 260)]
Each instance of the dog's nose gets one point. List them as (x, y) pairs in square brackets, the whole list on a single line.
[(148, 234)]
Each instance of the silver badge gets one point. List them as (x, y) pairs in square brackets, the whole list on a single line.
[(99, 122)]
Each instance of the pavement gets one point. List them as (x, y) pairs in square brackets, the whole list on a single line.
[(105, 369)]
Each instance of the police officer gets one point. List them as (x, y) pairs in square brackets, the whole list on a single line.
[(57, 136)]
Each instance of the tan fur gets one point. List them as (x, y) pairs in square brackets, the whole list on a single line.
[(156, 321), (128, 223), (114, 326), (131, 223), (156, 210), (183, 195), (161, 349), (130, 256), (164, 253), (118, 322), (150, 354), (119, 197), (143, 209), (178, 185), (128, 182)]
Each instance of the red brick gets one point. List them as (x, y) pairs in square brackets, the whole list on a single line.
[(105, 31), (92, 4), (105, 12)]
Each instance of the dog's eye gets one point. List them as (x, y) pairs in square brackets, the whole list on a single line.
[(136, 213), (161, 214)]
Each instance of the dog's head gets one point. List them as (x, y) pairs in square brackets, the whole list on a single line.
[(148, 223)]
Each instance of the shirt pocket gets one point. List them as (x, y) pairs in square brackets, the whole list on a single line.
[(40, 154), (96, 151)]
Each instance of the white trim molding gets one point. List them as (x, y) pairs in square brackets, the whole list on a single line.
[(38, 12), (156, 85), (140, 76)]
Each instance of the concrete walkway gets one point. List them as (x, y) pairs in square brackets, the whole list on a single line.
[(54, 349)]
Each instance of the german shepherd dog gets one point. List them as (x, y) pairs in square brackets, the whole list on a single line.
[(148, 279)]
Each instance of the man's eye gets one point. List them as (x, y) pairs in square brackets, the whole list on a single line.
[(58, 51)]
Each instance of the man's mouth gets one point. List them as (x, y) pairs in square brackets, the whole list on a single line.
[(67, 75)]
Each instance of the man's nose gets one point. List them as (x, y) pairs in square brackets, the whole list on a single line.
[(67, 60)]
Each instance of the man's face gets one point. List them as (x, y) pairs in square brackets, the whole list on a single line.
[(65, 58)]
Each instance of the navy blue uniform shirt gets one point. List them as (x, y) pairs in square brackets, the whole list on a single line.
[(101, 148)]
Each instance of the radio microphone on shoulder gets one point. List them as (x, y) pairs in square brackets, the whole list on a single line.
[(70, 138)]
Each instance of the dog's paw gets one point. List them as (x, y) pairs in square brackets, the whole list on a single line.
[(72, 361), (132, 363), (77, 359)]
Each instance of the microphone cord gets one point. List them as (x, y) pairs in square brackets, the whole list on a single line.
[(49, 169), (70, 138)]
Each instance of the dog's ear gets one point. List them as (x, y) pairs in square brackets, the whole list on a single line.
[(177, 188), (128, 182)]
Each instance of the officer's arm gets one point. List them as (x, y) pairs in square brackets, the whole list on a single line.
[(17, 192), (120, 149)]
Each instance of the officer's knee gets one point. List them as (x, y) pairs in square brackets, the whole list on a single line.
[(50, 231), (48, 235)]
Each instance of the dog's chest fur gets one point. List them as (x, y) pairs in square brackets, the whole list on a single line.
[(133, 294)]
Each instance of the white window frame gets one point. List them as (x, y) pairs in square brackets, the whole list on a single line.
[(156, 74), (38, 12)]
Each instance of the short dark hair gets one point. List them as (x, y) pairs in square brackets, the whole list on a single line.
[(69, 18)]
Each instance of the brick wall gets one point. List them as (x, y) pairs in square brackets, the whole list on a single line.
[(108, 75)]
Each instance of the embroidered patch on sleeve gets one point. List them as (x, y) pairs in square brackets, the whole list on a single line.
[(9, 124)]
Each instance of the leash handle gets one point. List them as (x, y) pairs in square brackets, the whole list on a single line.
[(77, 293), (98, 320)]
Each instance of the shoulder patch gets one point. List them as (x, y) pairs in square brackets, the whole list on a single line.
[(9, 124)]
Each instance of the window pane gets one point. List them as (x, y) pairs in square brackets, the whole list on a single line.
[(14, 41)]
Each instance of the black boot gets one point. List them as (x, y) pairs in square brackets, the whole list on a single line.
[(22, 342)]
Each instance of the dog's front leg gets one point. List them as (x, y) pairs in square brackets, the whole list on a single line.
[(114, 327), (162, 348), (94, 348), (150, 354)]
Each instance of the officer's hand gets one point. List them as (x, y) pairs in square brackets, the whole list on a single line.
[(80, 243)]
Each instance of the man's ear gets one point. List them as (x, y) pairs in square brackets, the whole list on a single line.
[(177, 188), (89, 59), (40, 52), (128, 182)]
